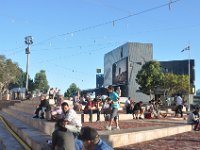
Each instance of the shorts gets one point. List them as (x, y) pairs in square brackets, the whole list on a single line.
[(114, 113)]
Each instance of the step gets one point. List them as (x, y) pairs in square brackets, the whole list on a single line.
[(32, 136), (127, 137), (7, 141), (40, 124)]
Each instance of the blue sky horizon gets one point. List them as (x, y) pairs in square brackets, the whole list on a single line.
[(70, 38)]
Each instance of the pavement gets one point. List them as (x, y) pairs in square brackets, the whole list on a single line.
[(184, 141)]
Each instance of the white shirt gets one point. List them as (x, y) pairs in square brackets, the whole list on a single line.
[(72, 117), (179, 101), (191, 118)]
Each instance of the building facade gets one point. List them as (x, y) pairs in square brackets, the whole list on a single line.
[(121, 66)]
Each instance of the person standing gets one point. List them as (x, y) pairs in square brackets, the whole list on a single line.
[(114, 98), (179, 105)]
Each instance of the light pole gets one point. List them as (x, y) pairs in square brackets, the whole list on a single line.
[(188, 48), (28, 41)]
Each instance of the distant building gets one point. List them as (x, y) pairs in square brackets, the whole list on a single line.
[(180, 67)]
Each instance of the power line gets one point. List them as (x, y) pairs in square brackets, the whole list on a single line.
[(108, 22)]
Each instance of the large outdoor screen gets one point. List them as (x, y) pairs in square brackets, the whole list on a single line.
[(120, 72)]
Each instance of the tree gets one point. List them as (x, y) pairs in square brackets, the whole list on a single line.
[(174, 84), (40, 82), (21, 82), (9, 73), (149, 77), (71, 90)]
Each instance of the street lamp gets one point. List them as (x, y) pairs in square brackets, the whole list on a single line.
[(28, 41), (188, 48)]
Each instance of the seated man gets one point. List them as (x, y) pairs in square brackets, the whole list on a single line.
[(91, 140), (43, 107), (73, 123), (194, 118), (137, 110), (92, 107)]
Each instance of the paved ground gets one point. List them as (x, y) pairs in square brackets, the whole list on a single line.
[(137, 124), (184, 141)]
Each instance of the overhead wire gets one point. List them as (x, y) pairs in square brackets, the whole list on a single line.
[(113, 22)]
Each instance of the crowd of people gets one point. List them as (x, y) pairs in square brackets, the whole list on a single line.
[(69, 133)]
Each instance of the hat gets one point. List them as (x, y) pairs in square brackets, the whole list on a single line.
[(88, 133)]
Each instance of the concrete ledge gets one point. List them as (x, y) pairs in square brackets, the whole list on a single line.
[(122, 139), (40, 124), (34, 138), (7, 141)]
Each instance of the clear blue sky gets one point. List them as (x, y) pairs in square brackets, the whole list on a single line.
[(72, 57)]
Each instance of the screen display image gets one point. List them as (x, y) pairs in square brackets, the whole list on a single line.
[(120, 72)]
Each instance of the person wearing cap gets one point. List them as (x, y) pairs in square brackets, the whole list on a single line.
[(194, 118), (73, 123), (114, 98), (91, 140), (62, 138), (43, 107)]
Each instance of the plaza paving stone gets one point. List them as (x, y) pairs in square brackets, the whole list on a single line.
[(183, 141)]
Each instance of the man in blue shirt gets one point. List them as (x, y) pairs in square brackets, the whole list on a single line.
[(114, 108), (91, 140)]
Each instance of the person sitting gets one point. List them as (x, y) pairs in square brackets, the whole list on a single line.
[(148, 114), (57, 110), (194, 118), (91, 140), (106, 109), (62, 138), (43, 107), (73, 123), (92, 107), (137, 110), (128, 107)]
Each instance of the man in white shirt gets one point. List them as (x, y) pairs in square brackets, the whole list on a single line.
[(73, 123), (179, 105)]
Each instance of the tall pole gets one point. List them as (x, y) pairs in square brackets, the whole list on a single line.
[(27, 64), (28, 41), (189, 78)]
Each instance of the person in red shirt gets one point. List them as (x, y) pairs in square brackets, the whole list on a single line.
[(92, 107)]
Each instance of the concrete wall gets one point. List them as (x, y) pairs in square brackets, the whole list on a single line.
[(139, 54)]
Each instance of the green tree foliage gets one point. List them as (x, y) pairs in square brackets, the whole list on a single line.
[(71, 90), (149, 77), (40, 81), (175, 84), (21, 82), (9, 73)]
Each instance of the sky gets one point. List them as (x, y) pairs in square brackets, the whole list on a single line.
[(70, 38)]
